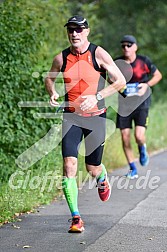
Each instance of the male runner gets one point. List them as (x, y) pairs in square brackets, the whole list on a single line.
[(84, 67), (135, 107)]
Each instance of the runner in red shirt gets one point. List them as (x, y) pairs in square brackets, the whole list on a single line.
[(135, 107)]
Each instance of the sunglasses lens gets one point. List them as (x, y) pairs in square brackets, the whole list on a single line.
[(78, 30), (127, 45), (70, 30)]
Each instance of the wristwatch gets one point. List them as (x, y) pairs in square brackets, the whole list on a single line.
[(99, 97)]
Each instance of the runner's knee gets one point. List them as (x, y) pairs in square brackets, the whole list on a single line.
[(69, 166)]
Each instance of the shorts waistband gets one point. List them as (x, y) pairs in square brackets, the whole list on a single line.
[(99, 112)]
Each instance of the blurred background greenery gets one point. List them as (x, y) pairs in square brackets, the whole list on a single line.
[(32, 33)]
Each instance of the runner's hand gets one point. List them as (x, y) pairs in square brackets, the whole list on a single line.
[(53, 99), (142, 88), (89, 102)]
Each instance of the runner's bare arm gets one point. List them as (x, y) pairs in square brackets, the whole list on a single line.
[(51, 77), (115, 76), (157, 76)]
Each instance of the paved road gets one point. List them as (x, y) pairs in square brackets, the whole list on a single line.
[(134, 219)]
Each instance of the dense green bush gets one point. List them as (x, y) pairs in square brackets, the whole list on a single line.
[(23, 36)]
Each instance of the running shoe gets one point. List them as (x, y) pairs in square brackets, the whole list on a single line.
[(104, 188), (144, 158), (77, 225), (132, 174)]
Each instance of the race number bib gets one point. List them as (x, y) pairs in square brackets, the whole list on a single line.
[(132, 89)]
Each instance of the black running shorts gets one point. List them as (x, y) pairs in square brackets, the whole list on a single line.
[(92, 129), (140, 118)]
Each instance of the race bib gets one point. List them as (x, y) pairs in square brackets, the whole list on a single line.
[(132, 89)]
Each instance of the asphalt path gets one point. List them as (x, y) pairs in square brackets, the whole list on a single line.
[(134, 218)]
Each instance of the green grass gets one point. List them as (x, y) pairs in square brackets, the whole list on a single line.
[(32, 187), (32, 191), (157, 131)]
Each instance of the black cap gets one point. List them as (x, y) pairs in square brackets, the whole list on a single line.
[(78, 20), (129, 38)]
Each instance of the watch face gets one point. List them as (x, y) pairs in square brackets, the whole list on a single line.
[(99, 97)]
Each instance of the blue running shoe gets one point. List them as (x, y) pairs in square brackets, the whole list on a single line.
[(144, 158), (132, 174)]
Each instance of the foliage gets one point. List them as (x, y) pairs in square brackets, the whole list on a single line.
[(23, 37), (53, 15), (16, 55)]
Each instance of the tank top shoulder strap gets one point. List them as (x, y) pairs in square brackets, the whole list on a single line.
[(92, 49), (65, 53)]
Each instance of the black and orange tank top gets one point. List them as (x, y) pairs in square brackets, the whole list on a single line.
[(82, 76)]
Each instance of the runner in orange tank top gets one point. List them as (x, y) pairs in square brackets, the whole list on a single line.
[(84, 67)]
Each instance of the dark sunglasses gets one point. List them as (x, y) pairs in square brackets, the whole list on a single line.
[(77, 29), (128, 45)]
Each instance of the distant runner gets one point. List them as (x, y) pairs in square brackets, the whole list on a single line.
[(135, 107)]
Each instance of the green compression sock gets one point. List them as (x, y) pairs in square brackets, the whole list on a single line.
[(70, 190), (102, 174)]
